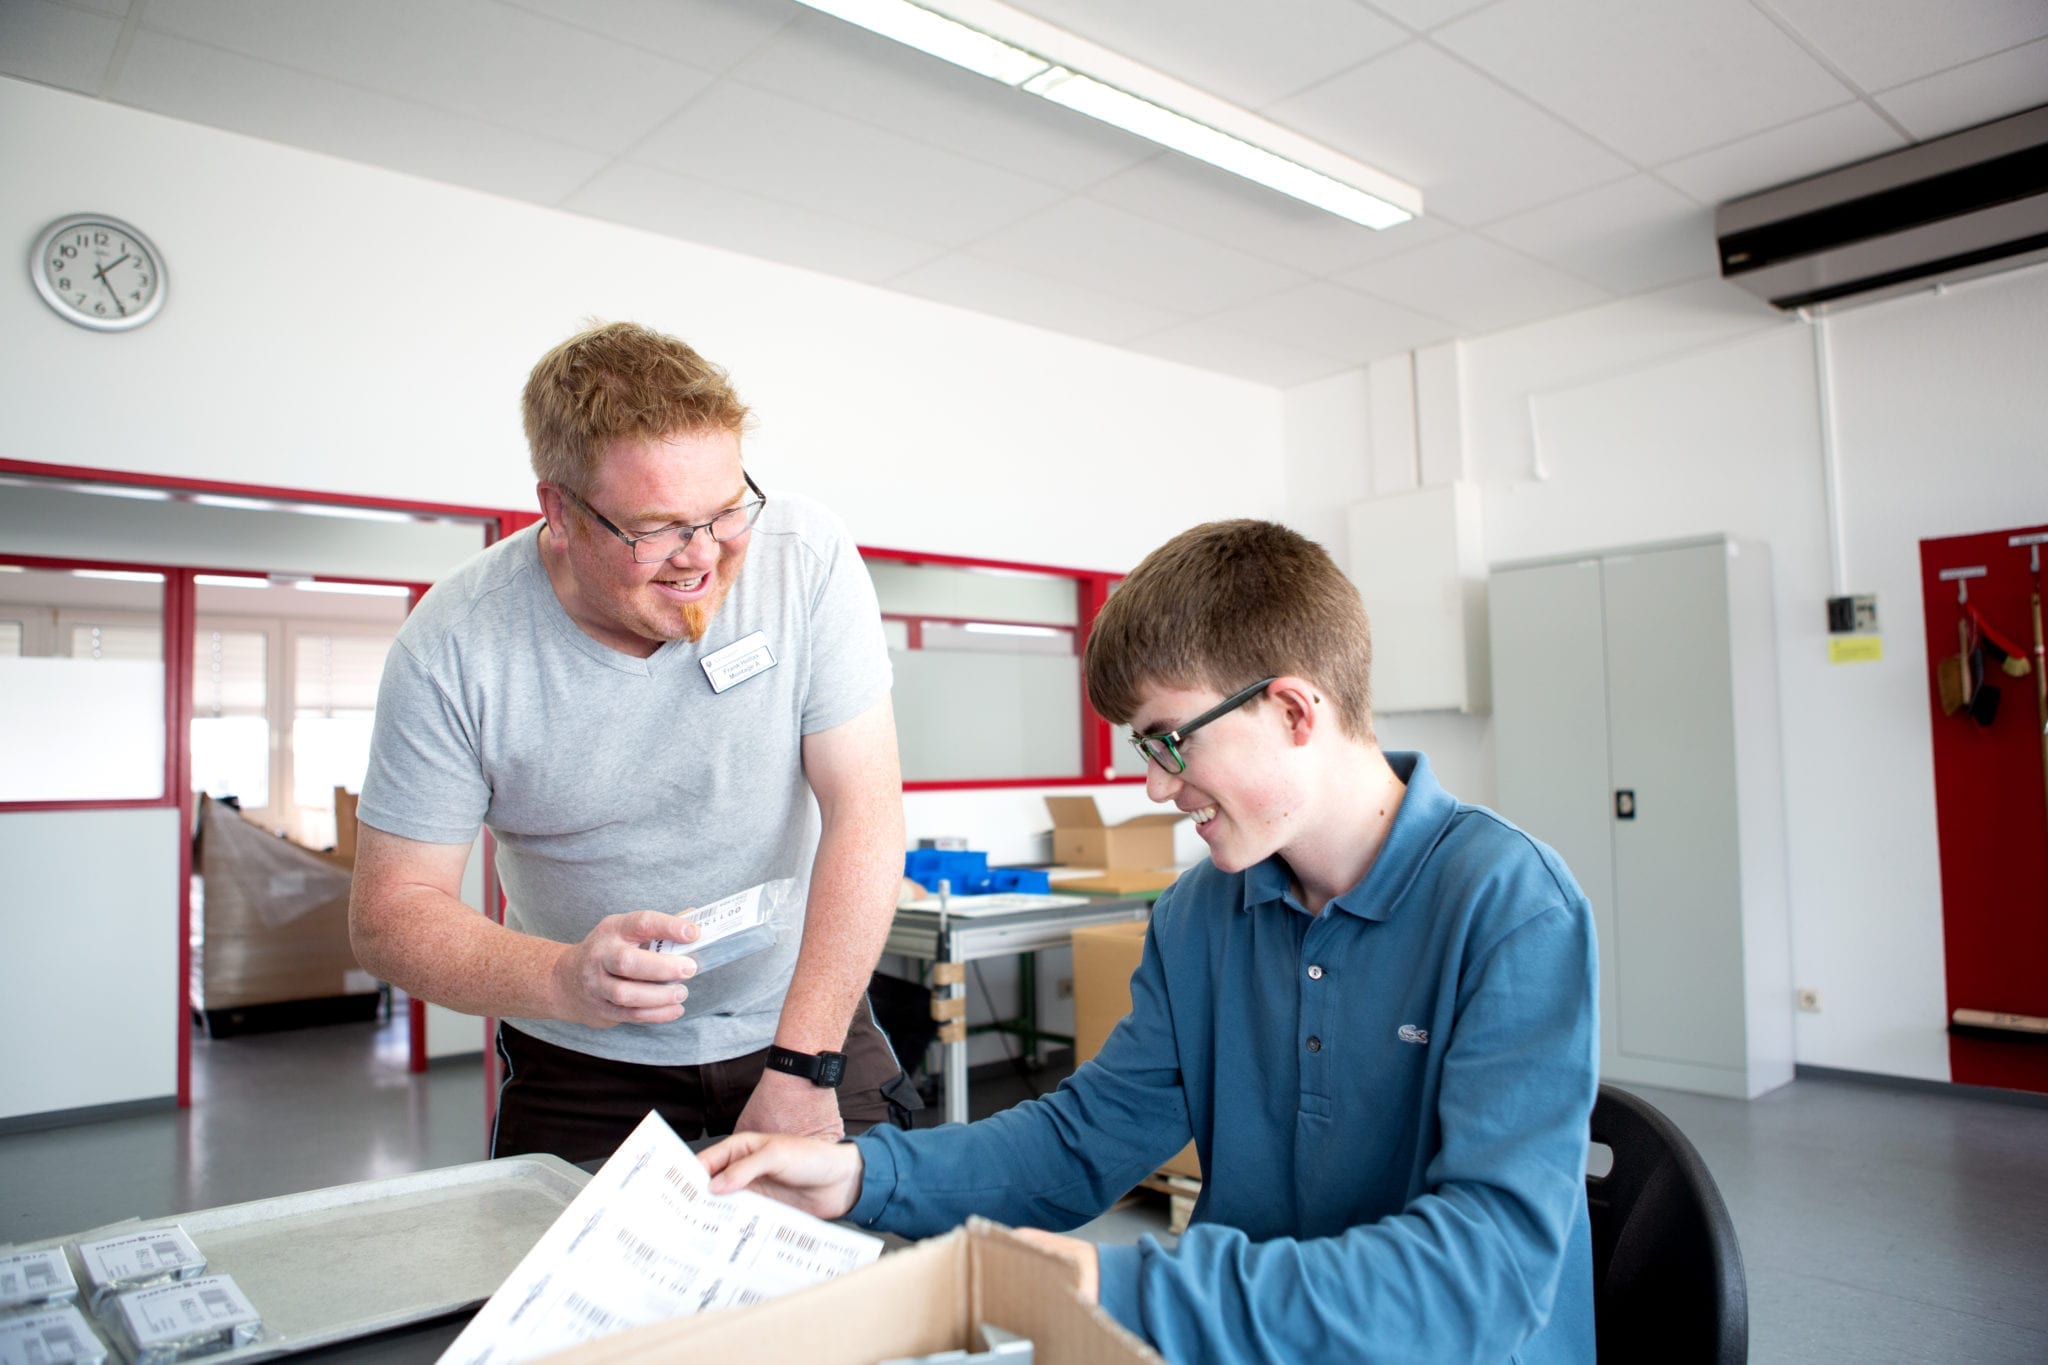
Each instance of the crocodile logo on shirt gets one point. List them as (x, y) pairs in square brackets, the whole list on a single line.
[(1409, 1033)]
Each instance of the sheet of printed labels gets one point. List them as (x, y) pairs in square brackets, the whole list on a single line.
[(645, 1241)]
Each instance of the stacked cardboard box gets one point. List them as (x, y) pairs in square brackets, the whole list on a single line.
[(1132, 856), (1104, 958)]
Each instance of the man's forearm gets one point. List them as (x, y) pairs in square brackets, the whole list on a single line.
[(852, 900), (434, 947)]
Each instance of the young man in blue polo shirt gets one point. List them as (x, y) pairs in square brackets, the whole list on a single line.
[(1371, 1007)]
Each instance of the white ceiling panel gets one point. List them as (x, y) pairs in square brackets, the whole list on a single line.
[(710, 35), (985, 287), (777, 148), (1249, 54), (223, 90), (1207, 346), (1427, 14), (1478, 284), (1653, 81), (833, 65), (1883, 43), (56, 44), (1804, 147), (1634, 235), (1123, 255), (1984, 90), (1475, 150), (1182, 192), (677, 206), (1329, 319), (473, 57)]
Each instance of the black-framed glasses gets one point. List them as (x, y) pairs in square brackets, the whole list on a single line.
[(1164, 748), (673, 539)]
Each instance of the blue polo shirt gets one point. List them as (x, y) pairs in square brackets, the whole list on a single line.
[(1390, 1099)]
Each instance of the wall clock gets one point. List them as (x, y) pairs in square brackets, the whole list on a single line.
[(98, 272)]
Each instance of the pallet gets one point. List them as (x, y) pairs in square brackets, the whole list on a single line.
[(1181, 1193)]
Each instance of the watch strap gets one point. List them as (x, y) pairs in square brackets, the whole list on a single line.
[(823, 1069)]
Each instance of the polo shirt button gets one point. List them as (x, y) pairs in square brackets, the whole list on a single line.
[(1315, 1044), (1315, 972)]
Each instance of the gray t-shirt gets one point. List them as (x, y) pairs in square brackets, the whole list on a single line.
[(614, 783)]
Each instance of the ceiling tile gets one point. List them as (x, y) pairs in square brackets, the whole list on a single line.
[(1653, 81), (780, 149), (205, 85), (1427, 14), (1633, 235), (986, 287), (529, 72), (1123, 255), (678, 206), (1475, 150), (1808, 146), (1182, 192), (1248, 54), (56, 44), (2013, 80), (710, 35), (1478, 284), (1331, 320), (833, 65), (1883, 43), (1207, 346)]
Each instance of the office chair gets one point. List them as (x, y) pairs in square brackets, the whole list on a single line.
[(1667, 1273)]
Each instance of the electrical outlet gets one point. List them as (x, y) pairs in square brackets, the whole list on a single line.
[(1809, 1000), (1063, 989)]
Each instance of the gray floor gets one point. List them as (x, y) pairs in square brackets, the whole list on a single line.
[(1877, 1224)]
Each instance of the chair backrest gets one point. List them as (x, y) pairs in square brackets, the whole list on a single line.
[(1667, 1273)]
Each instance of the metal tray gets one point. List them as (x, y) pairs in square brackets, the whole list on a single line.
[(330, 1265)]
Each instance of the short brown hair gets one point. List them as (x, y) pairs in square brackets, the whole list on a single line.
[(1224, 605), (619, 379)]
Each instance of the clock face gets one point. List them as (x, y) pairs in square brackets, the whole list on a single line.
[(99, 272)]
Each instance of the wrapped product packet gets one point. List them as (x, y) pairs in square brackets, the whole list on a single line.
[(185, 1319), (36, 1279), (136, 1260), (53, 1336), (728, 929)]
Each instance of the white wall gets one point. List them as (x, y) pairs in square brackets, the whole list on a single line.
[(1698, 411), (89, 995), (339, 327)]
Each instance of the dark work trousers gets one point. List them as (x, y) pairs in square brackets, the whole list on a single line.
[(581, 1107)]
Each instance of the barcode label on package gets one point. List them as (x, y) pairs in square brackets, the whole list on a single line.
[(139, 1258), (60, 1336), (721, 919), (190, 1313), (28, 1278)]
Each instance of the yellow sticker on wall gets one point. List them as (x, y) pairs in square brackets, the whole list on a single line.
[(1855, 649)]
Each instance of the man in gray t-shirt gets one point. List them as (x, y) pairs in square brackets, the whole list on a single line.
[(640, 698)]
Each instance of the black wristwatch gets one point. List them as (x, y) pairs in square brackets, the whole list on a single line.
[(823, 1069)]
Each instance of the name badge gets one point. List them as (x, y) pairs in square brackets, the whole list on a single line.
[(738, 661)]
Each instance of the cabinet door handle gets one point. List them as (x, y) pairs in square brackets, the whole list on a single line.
[(1625, 804)]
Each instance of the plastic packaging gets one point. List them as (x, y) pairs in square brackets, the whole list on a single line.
[(175, 1322), (36, 1279), (55, 1336), (136, 1260), (728, 929)]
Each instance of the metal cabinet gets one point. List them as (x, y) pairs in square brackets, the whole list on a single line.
[(1636, 732)]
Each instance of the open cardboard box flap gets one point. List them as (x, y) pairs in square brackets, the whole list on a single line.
[(1080, 838), (911, 1303)]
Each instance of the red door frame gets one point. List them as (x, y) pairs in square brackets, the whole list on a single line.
[(178, 615)]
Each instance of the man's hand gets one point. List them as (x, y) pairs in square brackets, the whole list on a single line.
[(821, 1178), (1081, 1255), (782, 1103), (610, 979)]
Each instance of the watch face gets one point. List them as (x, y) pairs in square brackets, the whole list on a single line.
[(99, 272)]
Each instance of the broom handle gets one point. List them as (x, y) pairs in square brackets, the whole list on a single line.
[(2041, 682)]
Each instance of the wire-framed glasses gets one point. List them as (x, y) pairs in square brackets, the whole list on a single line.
[(1163, 748), (673, 539)]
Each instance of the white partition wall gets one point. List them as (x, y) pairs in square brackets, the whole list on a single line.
[(90, 922)]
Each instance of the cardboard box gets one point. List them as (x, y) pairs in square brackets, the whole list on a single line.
[(1105, 955), (911, 1303), (1080, 839)]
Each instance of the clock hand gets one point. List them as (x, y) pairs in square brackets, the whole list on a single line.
[(101, 273)]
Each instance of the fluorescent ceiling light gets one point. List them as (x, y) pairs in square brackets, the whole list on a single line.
[(356, 589), (118, 575), (1113, 89), (227, 580), (999, 628)]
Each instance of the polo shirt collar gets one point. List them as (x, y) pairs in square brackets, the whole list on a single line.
[(1425, 813)]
